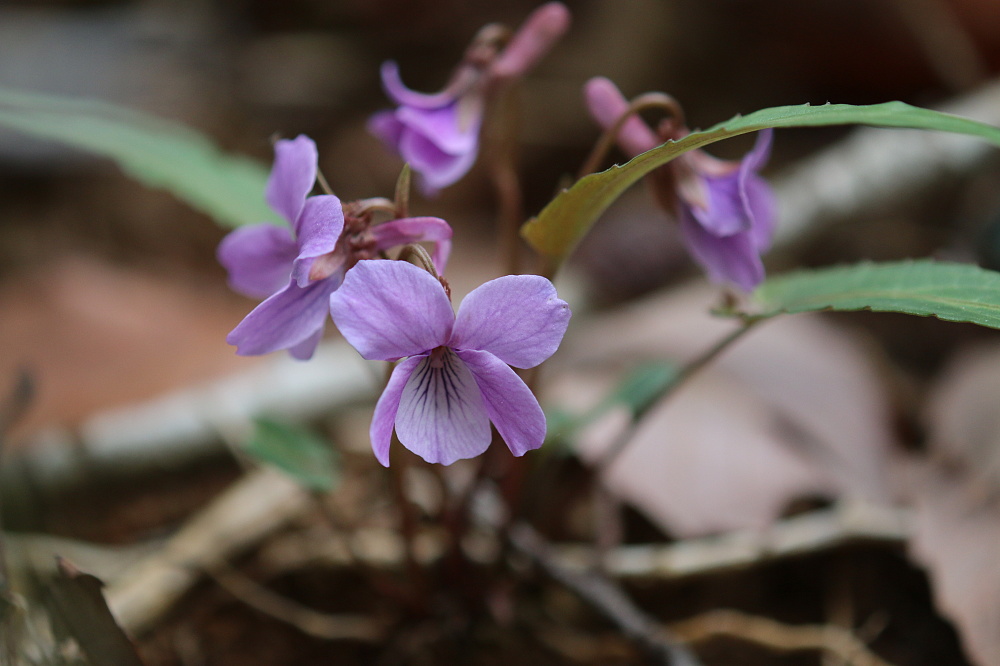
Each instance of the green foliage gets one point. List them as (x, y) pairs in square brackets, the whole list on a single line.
[(158, 153), (296, 451), (953, 292), (568, 217)]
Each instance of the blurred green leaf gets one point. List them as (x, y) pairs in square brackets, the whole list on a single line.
[(296, 451), (953, 292), (228, 188), (568, 217)]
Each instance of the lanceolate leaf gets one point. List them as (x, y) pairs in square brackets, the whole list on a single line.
[(953, 292), (158, 153), (297, 452), (568, 217)]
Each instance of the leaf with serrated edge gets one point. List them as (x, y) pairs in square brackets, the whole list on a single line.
[(949, 291), (568, 217)]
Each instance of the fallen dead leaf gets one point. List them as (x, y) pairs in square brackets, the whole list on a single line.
[(794, 409)]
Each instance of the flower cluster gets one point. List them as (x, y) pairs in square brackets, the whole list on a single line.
[(296, 268), (456, 379)]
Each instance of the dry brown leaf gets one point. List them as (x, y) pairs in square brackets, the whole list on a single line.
[(957, 539), (963, 418), (956, 496), (794, 409)]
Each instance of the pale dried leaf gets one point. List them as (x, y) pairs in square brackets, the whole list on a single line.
[(794, 409), (957, 539)]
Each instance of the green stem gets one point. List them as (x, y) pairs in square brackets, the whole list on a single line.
[(686, 373)]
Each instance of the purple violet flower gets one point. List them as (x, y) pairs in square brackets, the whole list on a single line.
[(726, 210), (455, 377), (438, 134), (296, 269)]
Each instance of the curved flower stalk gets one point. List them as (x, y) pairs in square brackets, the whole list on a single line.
[(455, 378), (296, 268), (726, 210), (438, 134)]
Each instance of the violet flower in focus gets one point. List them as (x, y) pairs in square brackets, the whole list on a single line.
[(295, 269), (726, 210), (438, 134), (455, 378)]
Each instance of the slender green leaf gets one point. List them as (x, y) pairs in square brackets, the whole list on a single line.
[(296, 451), (953, 292), (156, 152), (568, 217)]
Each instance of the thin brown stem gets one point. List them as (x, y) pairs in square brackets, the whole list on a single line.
[(654, 100)]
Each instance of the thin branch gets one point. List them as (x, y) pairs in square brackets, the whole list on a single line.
[(312, 622), (778, 637), (605, 596)]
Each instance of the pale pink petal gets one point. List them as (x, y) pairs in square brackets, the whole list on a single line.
[(441, 414), (320, 226), (607, 105), (391, 309), (416, 230), (292, 176), (518, 318), (384, 418), (532, 41), (509, 402), (258, 258)]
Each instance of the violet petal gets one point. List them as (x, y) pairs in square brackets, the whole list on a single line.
[(517, 318), (733, 259), (446, 128), (725, 213), (384, 418), (510, 404), (441, 414), (292, 176), (320, 226), (304, 350), (400, 94), (284, 320), (391, 309), (258, 258), (436, 168)]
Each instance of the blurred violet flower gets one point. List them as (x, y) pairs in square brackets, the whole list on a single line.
[(296, 269), (726, 210), (455, 378), (438, 134)]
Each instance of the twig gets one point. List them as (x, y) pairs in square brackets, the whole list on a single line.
[(685, 374), (604, 595), (777, 636), (250, 510), (813, 532), (312, 622)]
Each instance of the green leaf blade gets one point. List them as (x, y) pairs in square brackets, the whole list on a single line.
[(296, 451), (948, 291), (557, 229), (160, 154)]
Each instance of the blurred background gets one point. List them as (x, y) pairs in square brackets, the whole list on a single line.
[(110, 293)]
